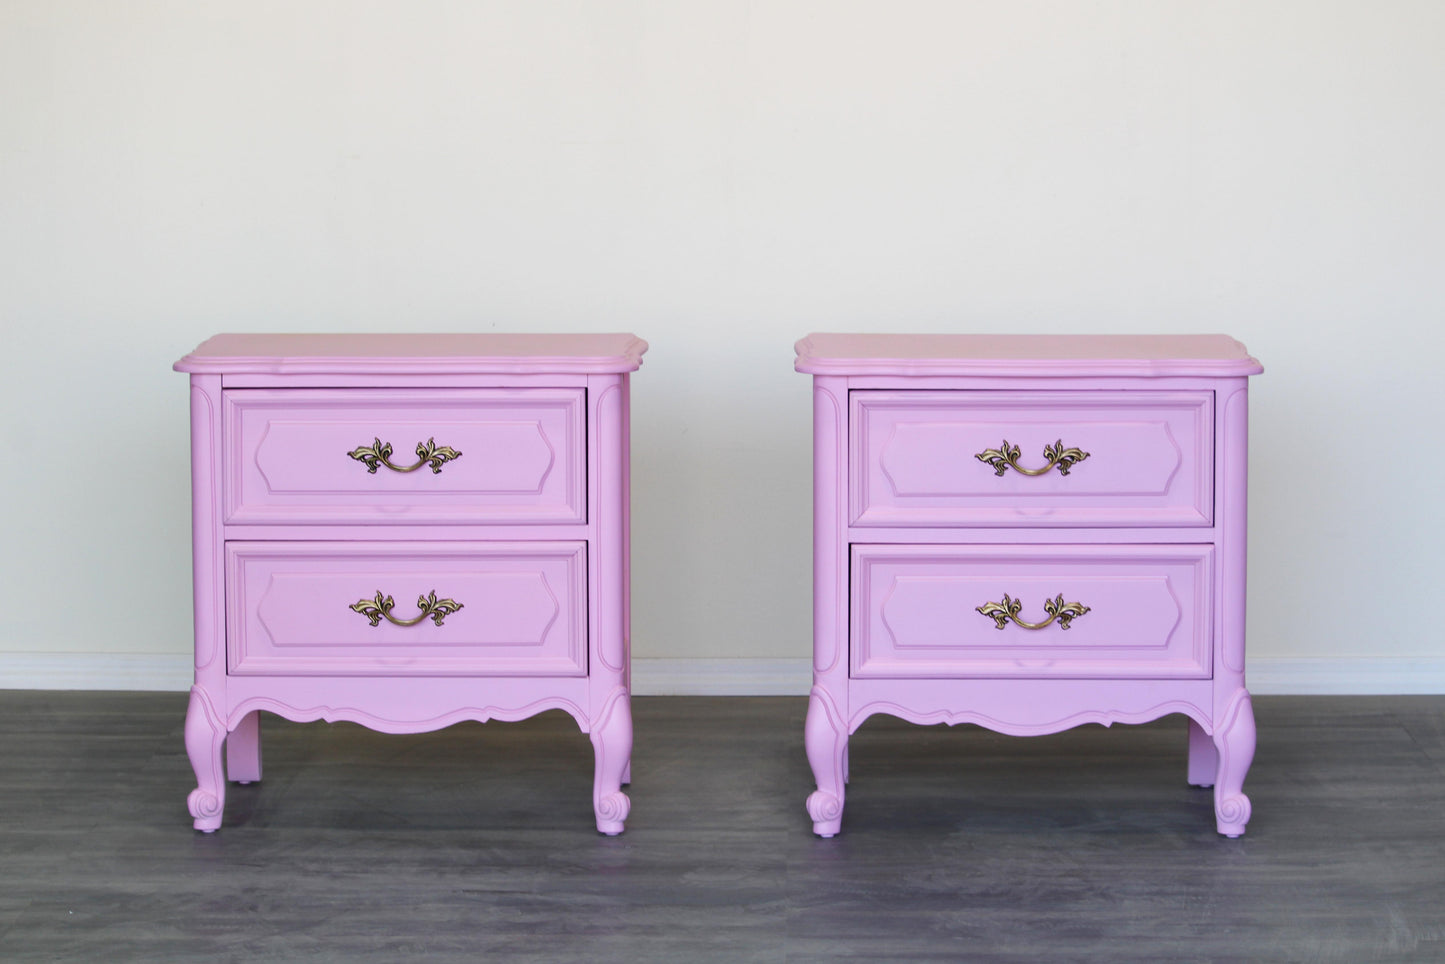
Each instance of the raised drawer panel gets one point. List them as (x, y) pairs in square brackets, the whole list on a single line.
[(916, 458), (307, 608), (916, 611), (498, 456)]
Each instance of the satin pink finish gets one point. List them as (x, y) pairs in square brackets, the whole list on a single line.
[(1026, 356), (523, 456), (290, 612), (526, 529), (913, 533), (431, 355), (915, 611), (1150, 461)]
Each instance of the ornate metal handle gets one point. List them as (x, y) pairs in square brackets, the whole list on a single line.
[(1002, 612), (1007, 457), (380, 608), (378, 453)]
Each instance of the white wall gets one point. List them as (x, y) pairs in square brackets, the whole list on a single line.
[(722, 177)]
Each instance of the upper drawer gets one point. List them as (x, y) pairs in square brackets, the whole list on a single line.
[(934, 458), (405, 457)]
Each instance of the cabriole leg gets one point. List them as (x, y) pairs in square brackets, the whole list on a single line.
[(612, 741), (1203, 757), (243, 749), (205, 733), (1234, 740), (826, 739)]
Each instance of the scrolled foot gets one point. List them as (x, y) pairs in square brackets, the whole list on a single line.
[(1235, 740), (612, 811), (825, 737), (1231, 814), (827, 812), (612, 741), (206, 810), (205, 734)]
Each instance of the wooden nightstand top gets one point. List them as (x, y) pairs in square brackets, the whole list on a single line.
[(1213, 356), (452, 353)]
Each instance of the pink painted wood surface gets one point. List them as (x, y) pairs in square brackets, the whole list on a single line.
[(424, 354), (522, 456), (413, 705), (1028, 706), (243, 750), (915, 611), (1020, 356), (539, 555), (1233, 716), (609, 702), (901, 569), (826, 724), (1203, 756), (1149, 458), (523, 608), (205, 729)]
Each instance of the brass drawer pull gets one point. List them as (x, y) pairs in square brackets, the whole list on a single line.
[(378, 453), (380, 607), (1007, 610), (1007, 457)]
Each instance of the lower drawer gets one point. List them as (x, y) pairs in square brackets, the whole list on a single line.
[(406, 609), (1120, 611)]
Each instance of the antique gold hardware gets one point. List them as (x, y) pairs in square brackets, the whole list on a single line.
[(378, 453), (1007, 610), (1007, 457), (380, 608)]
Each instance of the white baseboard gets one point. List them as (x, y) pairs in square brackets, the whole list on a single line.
[(95, 671), (1341, 677), (721, 677), (1266, 676)]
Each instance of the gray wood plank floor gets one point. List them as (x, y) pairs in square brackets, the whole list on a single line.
[(476, 843)]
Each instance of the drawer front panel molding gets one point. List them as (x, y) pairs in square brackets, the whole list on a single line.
[(916, 611), (519, 609), (408, 531), (1021, 458), (401, 457), (1029, 533)]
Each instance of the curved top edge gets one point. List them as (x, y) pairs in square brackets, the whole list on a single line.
[(459, 353), (1146, 356)]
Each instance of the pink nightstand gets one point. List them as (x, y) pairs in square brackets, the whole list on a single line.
[(1030, 533), (406, 531)]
